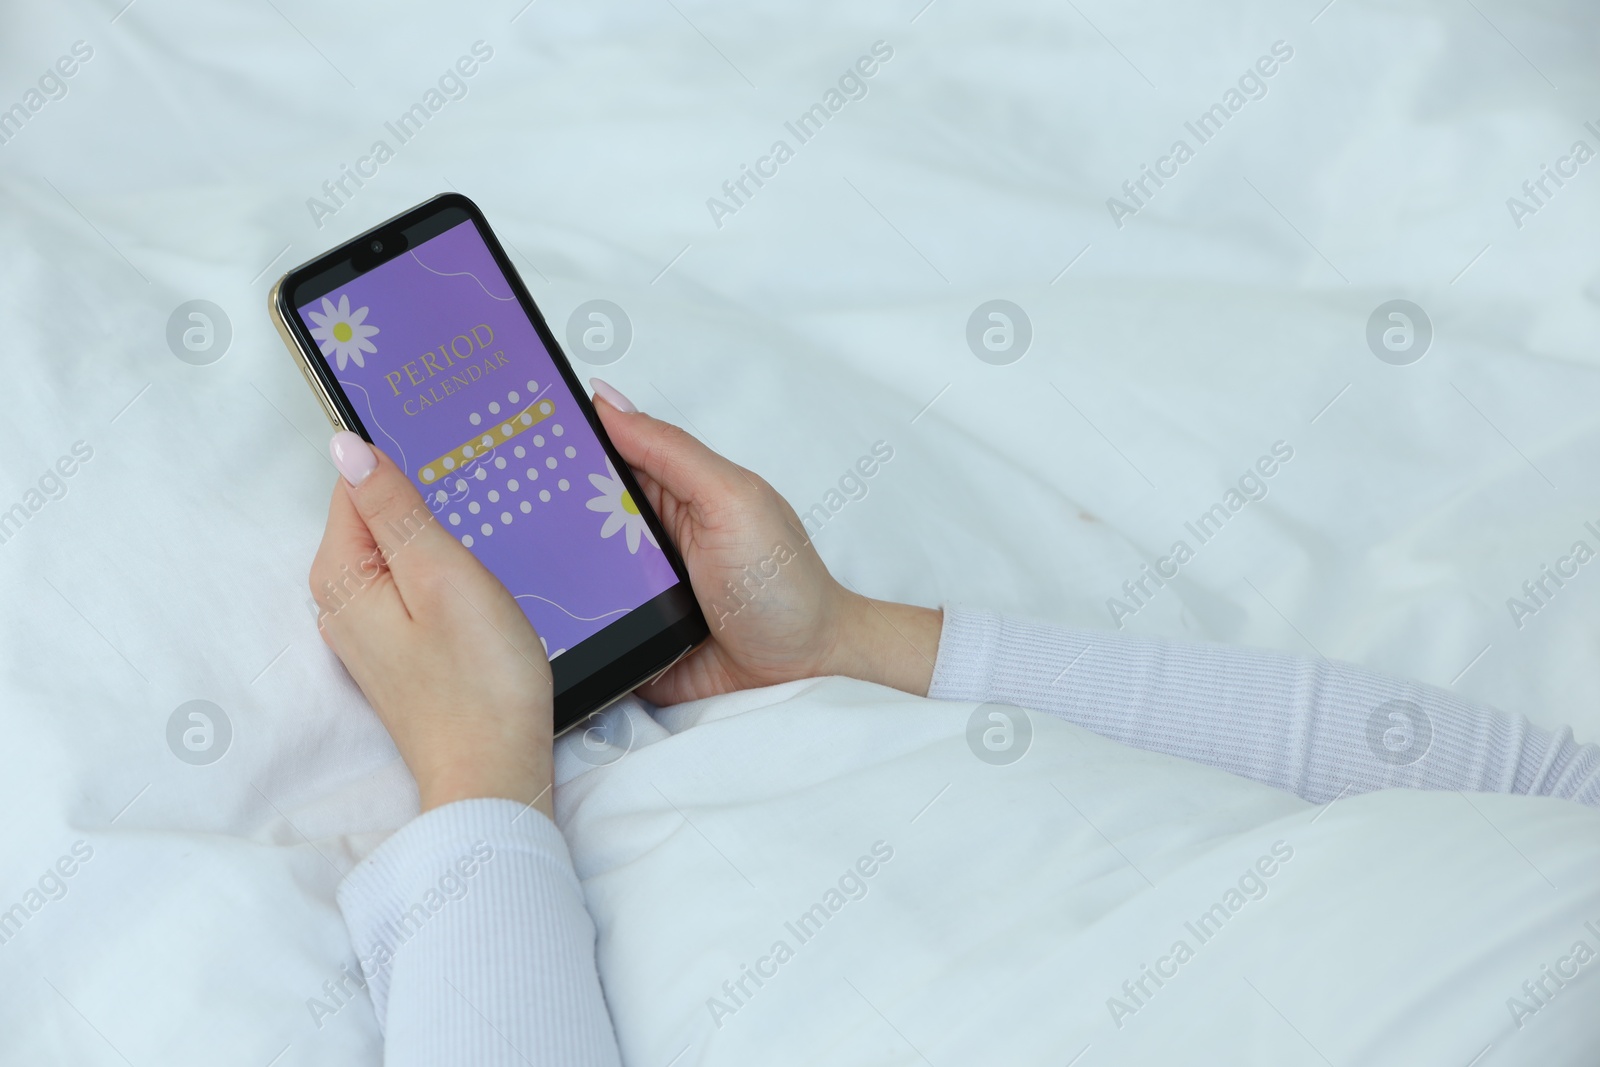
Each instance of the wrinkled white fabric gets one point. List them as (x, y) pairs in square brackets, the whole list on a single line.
[(675, 816)]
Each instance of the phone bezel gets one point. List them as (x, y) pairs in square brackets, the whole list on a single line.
[(627, 652)]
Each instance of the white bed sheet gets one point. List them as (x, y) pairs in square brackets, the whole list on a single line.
[(827, 314)]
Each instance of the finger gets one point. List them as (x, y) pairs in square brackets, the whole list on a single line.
[(412, 544), (676, 515), (345, 539), (671, 456), (348, 563), (697, 674)]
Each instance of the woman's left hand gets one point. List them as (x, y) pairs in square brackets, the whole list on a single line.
[(440, 648)]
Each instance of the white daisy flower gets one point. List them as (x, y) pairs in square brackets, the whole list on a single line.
[(622, 511), (341, 334)]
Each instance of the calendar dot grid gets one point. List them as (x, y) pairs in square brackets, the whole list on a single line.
[(494, 494)]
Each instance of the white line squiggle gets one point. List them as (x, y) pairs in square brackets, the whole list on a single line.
[(459, 274), (564, 611), (374, 417)]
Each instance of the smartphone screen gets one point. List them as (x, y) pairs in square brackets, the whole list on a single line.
[(449, 376)]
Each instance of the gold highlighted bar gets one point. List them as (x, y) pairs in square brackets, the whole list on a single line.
[(521, 422)]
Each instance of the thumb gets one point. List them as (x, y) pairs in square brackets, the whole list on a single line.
[(669, 455), (402, 527)]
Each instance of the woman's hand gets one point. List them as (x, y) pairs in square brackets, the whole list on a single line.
[(440, 648), (775, 612)]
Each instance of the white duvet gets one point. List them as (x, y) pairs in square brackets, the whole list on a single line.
[(178, 161), (824, 872)]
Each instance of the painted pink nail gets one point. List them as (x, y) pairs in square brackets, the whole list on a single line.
[(607, 392), (353, 456)]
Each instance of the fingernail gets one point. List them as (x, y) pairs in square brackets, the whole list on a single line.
[(353, 456), (607, 392)]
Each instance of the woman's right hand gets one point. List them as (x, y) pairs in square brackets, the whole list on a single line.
[(775, 612)]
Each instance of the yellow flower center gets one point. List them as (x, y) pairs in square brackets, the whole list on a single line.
[(342, 332), (628, 505)]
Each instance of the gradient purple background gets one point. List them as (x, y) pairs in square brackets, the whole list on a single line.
[(570, 581)]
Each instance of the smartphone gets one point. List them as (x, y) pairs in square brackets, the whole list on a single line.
[(420, 336)]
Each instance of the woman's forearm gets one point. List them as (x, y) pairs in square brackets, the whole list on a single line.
[(887, 643), (472, 938), (1316, 728)]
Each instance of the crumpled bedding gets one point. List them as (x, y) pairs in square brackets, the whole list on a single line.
[(179, 160)]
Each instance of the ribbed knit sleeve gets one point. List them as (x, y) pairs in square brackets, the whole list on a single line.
[(1317, 728), (471, 935)]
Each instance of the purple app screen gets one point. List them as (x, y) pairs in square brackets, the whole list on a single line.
[(452, 381)]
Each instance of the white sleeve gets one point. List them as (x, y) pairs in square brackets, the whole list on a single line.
[(472, 938), (1316, 728)]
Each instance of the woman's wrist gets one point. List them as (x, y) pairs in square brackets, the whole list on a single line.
[(890, 644), (525, 779)]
